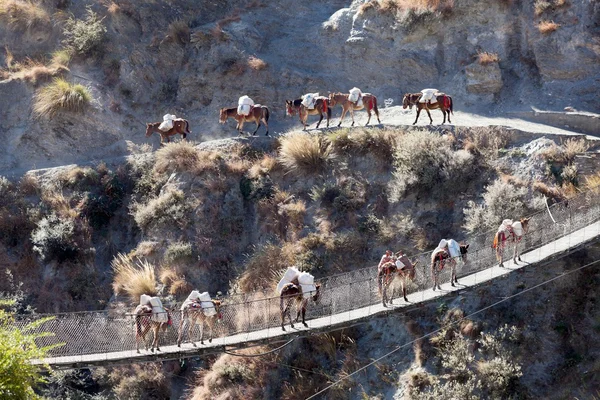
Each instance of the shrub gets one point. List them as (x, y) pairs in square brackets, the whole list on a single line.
[(178, 157), (305, 154), (22, 14), (133, 279), (140, 381), (55, 239), (178, 252), (84, 36), (256, 63), (171, 208), (573, 147), (179, 31), (540, 6), (360, 141), (501, 200), (424, 162), (546, 27), (262, 267), (488, 140), (60, 96), (485, 58)]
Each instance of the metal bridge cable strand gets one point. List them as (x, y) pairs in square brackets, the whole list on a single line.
[(452, 323), (261, 354)]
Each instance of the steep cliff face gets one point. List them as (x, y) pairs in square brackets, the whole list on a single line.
[(150, 65)]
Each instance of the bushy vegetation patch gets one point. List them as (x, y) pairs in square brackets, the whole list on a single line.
[(133, 277), (60, 96), (170, 208), (22, 14), (58, 238), (305, 154), (85, 36)]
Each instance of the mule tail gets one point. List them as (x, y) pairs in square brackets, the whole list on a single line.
[(374, 105), (187, 126), (266, 113), (495, 243), (380, 281), (451, 105)]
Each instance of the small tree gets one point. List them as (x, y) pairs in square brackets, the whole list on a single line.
[(84, 36), (18, 375)]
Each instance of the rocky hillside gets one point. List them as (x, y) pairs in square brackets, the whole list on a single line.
[(139, 61)]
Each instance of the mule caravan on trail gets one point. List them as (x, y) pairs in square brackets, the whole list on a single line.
[(400, 267), (298, 287), (321, 106), (150, 315), (442, 101), (447, 253), (179, 126), (198, 309), (257, 114)]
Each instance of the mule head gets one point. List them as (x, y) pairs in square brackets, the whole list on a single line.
[(332, 100), (217, 304), (289, 107), (149, 130), (222, 115), (525, 223), (406, 102), (464, 248), (315, 296), (412, 272)]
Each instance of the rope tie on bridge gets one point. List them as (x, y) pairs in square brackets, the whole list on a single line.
[(260, 354)]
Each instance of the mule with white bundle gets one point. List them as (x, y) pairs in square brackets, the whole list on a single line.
[(309, 104), (198, 309), (402, 268), (510, 232), (170, 126), (429, 99), (150, 315), (448, 252), (298, 287), (348, 103)]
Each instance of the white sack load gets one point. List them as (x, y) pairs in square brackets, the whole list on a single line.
[(517, 228), (306, 279), (309, 100), (453, 248), (144, 299), (192, 298), (245, 103), (308, 290), (354, 94), (443, 243), (159, 314), (207, 305), (167, 123), (506, 225), (400, 264), (428, 95), (290, 274)]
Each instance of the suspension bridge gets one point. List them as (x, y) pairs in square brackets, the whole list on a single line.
[(108, 337)]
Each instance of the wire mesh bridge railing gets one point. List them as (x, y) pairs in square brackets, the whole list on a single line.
[(101, 332)]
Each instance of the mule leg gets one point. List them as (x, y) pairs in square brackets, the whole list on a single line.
[(418, 113), (184, 136), (352, 115), (443, 113), (404, 290), (192, 323), (429, 115), (211, 325), (499, 255), (369, 119), (342, 117), (180, 330), (320, 119), (257, 126), (202, 333), (282, 313), (304, 303), (266, 126)]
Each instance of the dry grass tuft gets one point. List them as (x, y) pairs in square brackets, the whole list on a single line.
[(547, 27), (262, 267), (393, 6), (540, 6), (548, 191), (177, 157), (60, 96), (179, 31), (593, 182), (305, 154), (485, 58), (134, 279), (29, 185), (21, 14), (256, 63)]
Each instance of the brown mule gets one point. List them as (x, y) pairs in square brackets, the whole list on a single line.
[(193, 314), (292, 292), (257, 114), (444, 103), (144, 323), (321, 107), (442, 258), (180, 126), (389, 271), (369, 102), (502, 237)]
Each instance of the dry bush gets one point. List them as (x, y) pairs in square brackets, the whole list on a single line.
[(256, 63), (360, 141), (179, 252), (486, 141), (593, 182), (147, 248), (170, 208), (262, 267), (305, 154), (133, 278), (84, 36), (61, 238), (501, 200), (547, 27), (180, 156), (485, 58), (179, 31), (35, 71), (60, 96), (393, 6), (262, 167), (540, 6), (22, 14), (548, 191), (140, 381), (573, 147), (29, 185)]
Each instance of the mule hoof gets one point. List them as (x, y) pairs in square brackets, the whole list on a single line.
[(283, 329), (305, 324), (194, 344), (520, 259), (452, 284), (292, 325), (202, 342), (152, 350), (138, 351), (406, 300), (434, 288), (178, 344), (210, 340)]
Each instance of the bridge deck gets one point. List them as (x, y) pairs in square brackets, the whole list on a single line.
[(335, 321)]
